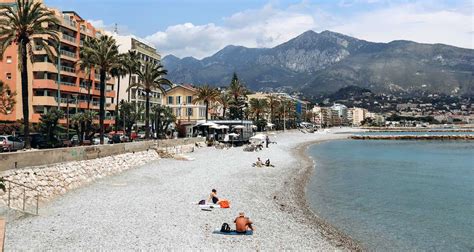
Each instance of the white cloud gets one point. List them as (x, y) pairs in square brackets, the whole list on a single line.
[(270, 26), (412, 22), (265, 27)]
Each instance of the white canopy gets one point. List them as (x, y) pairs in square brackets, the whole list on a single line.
[(214, 126), (254, 126), (223, 127), (208, 124), (233, 134), (259, 136), (270, 125), (239, 127)]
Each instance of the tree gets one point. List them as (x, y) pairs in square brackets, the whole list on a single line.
[(258, 107), (83, 123), (86, 63), (239, 95), (19, 24), (118, 71), (207, 95), (104, 54), (224, 99), (131, 62), (129, 114), (273, 103), (7, 99), (49, 124), (151, 78), (163, 117)]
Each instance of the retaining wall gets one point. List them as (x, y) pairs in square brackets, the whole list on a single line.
[(22, 159)]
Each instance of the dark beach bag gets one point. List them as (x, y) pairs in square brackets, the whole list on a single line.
[(225, 228), (202, 202)]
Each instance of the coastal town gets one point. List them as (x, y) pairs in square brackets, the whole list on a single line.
[(106, 145)]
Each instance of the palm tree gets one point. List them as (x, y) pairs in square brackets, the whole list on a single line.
[(239, 95), (87, 64), (119, 71), (19, 24), (258, 107), (131, 62), (207, 95), (104, 54), (224, 99), (273, 103), (151, 78)]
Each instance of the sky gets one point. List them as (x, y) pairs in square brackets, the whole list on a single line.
[(200, 28)]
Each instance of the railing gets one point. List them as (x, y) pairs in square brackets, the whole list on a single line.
[(68, 69), (68, 53), (24, 195), (81, 42), (67, 83), (70, 22), (69, 38)]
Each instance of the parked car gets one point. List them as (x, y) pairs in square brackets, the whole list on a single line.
[(37, 141), (96, 140), (10, 143)]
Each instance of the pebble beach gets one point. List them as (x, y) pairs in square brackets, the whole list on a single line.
[(150, 206)]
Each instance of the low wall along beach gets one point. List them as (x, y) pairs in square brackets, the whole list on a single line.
[(54, 172)]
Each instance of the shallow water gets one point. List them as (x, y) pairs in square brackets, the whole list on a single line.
[(397, 195)]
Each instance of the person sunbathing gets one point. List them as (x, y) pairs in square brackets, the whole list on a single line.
[(268, 164), (242, 223)]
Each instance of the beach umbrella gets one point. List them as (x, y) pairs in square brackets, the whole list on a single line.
[(223, 127), (215, 126), (239, 127), (254, 126)]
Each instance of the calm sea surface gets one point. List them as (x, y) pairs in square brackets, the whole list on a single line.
[(397, 195)]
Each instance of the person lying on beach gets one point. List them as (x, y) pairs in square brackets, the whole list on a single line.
[(259, 163), (213, 197), (242, 223)]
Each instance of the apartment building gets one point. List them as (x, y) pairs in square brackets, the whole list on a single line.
[(58, 82), (179, 98), (146, 53), (357, 115)]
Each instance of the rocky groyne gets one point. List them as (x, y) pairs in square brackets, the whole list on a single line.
[(412, 137)]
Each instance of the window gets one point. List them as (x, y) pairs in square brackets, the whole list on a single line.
[(9, 59), (189, 99), (9, 76), (178, 112), (202, 112), (170, 99), (178, 99), (190, 111)]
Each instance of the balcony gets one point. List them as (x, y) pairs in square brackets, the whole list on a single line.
[(68, 69), (69, 39), (66, 83), (44, 101), (70, 23), (68, 54)]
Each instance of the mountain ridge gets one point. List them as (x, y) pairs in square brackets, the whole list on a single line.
[(324, 62)]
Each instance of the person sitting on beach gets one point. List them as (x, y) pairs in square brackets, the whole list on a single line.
[(242, 223), (268, 164), (213, 197), (259, 163)]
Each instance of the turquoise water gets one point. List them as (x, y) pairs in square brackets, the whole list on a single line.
[(397, 195), (447, 133)]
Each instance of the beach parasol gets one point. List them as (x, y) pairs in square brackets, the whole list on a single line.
[(239, 127), (233, 135)]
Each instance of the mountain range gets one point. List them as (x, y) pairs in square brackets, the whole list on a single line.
[(322, 63)]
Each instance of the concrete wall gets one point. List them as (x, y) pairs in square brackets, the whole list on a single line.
[(24, 159)]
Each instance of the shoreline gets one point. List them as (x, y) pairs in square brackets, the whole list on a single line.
[(300, 182)]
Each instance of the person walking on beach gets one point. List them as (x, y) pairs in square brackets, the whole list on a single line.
[(267, 140), (242, 223)]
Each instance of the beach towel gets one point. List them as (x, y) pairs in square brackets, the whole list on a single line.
[(206, 206), (232, 232)]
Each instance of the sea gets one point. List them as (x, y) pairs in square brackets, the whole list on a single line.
[(397, 195)]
